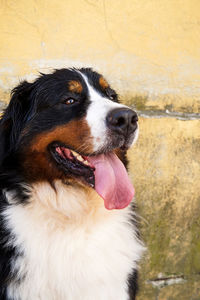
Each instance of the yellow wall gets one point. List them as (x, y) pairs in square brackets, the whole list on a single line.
[(145, 47)]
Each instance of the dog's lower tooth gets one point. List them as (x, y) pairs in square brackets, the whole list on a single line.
[(79, 158), (86, 162)]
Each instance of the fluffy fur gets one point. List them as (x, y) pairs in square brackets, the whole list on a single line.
[(57, 240)]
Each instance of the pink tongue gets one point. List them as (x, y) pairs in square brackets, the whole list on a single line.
[(111, 181)]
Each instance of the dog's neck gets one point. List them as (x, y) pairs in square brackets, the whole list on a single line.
[(67, 230), (62, 203)]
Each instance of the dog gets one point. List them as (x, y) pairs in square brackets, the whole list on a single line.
[(68, 228)]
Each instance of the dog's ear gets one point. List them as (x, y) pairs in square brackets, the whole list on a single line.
[(15, 116)]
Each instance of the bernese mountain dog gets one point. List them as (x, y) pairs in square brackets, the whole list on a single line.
[(67, 226)]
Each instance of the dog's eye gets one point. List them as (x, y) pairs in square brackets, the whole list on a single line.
[(112, 97), (111, 94), (69, 101)]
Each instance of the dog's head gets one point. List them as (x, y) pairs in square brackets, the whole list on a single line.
[(69, 125)]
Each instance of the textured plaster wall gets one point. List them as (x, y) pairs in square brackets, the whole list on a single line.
[(150, 51), (145, 47)]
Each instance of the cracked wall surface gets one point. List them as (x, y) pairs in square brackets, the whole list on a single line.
[(149, 50)]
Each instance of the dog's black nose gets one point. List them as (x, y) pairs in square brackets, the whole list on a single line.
[(122, 120)]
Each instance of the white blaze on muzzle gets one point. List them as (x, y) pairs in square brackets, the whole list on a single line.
[(96, 115)]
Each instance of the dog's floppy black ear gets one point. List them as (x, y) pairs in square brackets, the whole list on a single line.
[(15, 116)]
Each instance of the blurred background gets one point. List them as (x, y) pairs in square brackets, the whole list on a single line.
[(149, 50)]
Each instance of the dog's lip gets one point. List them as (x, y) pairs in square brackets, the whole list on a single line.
[(103, 172), (72, 163), (72, 155)]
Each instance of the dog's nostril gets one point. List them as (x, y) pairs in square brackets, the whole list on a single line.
[(116, 121), (134, 119), (121, 121)]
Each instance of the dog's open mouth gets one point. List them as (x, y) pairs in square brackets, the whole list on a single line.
[(72, 163), (104, 172)]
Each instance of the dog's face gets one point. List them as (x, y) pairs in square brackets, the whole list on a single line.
[(68, 125)]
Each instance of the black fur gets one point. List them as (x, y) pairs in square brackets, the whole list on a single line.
[(34, 108), (7, 252), (133, 284)]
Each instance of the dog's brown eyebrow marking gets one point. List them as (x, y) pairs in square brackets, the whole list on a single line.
[(103, 83), (75, 86)]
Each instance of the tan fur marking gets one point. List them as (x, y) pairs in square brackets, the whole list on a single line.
[(75, 134), (103, 83), (75, 86), (37, 160)]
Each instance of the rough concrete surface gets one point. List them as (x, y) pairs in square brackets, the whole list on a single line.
[(148, 48)]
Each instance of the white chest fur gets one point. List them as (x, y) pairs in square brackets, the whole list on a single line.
[(73, 248)]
